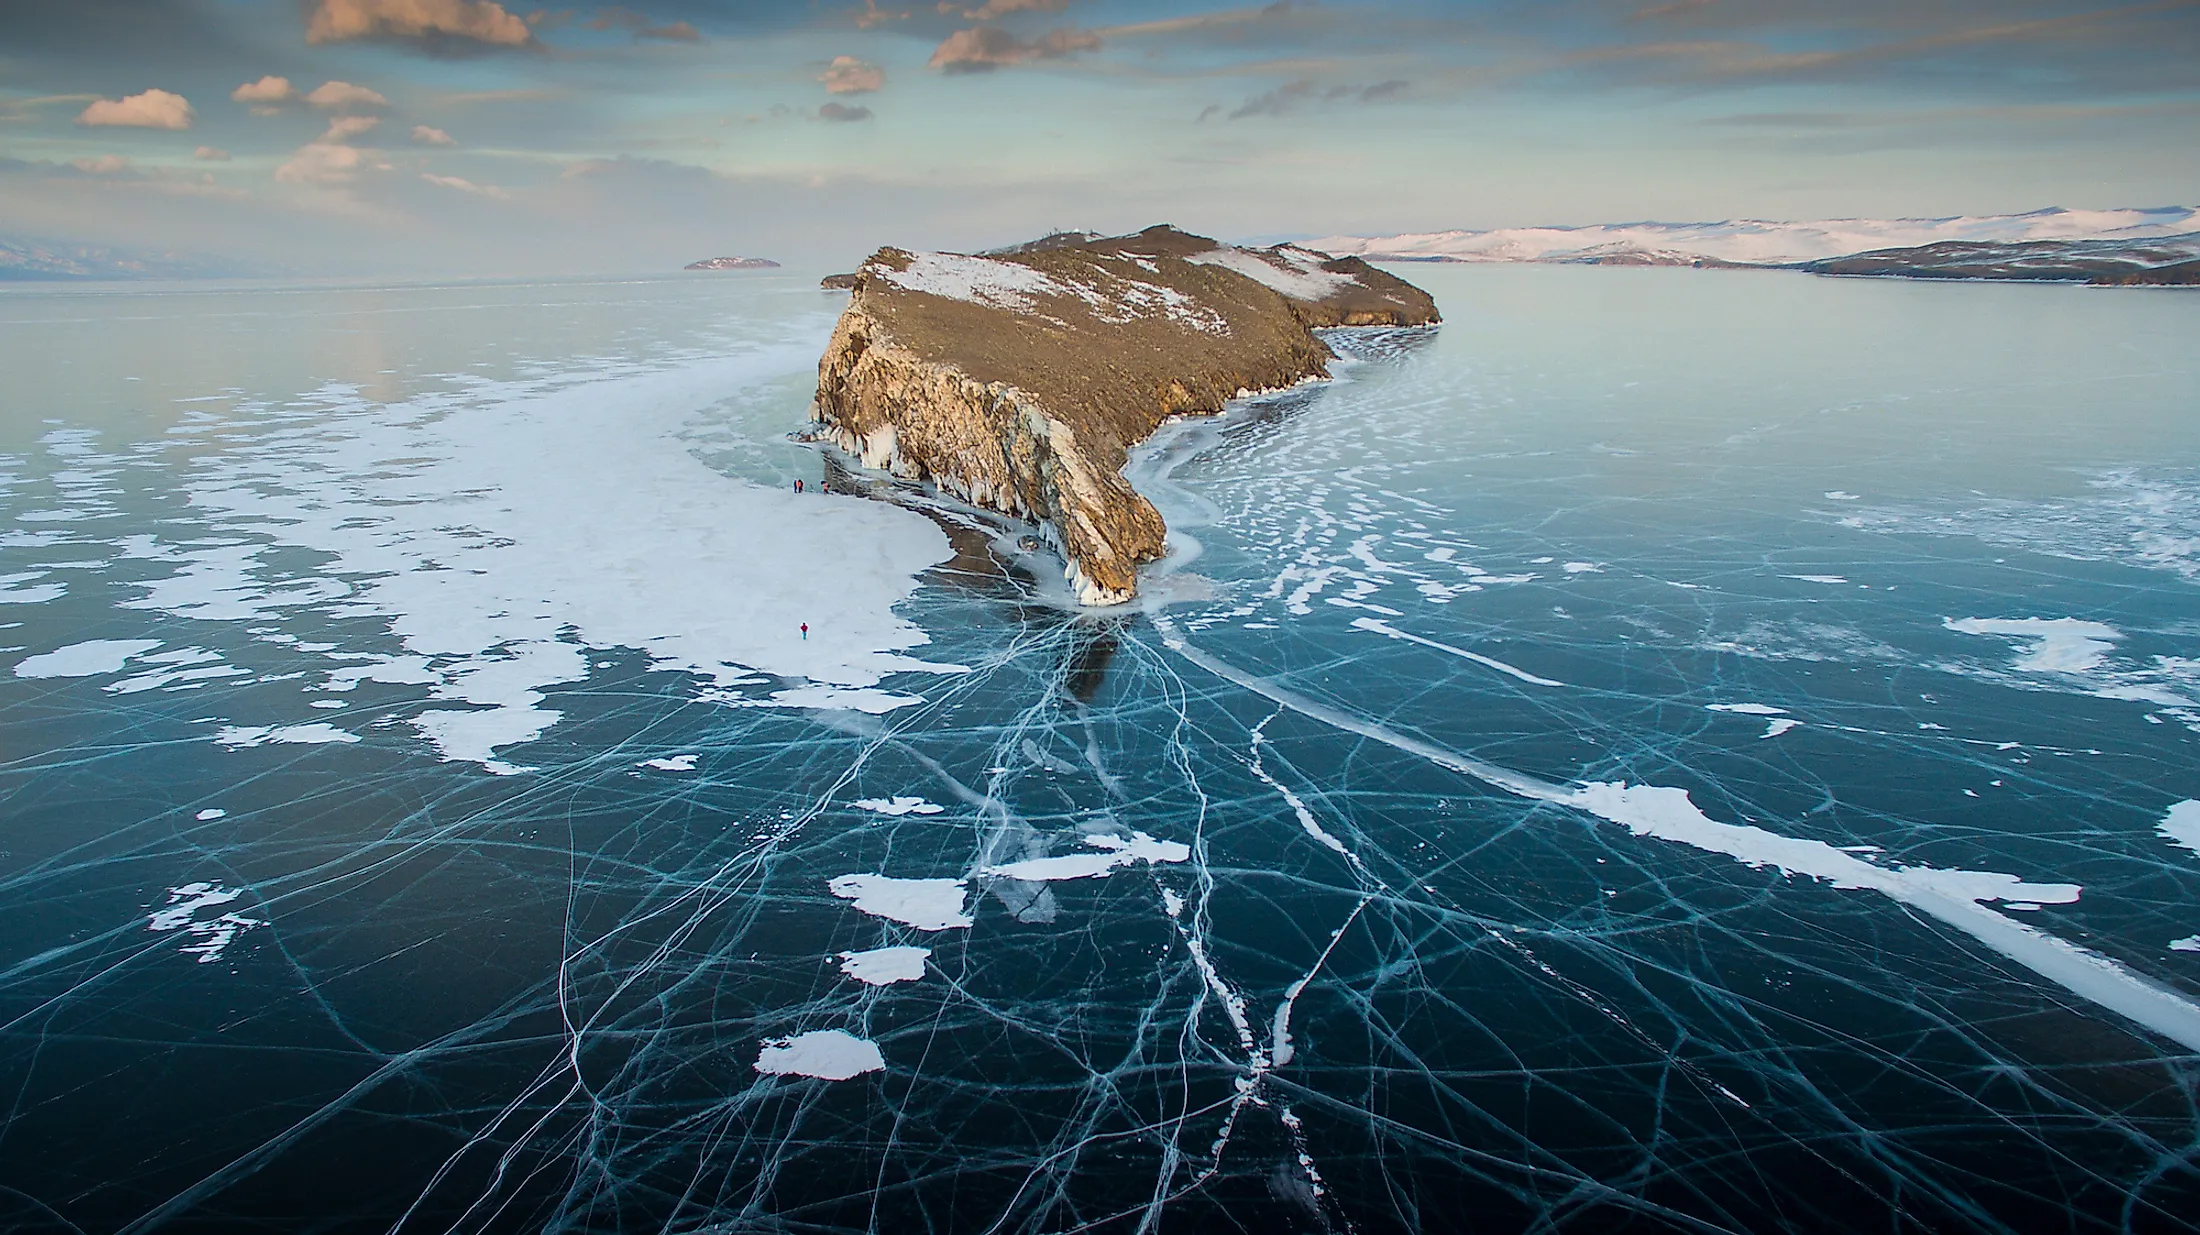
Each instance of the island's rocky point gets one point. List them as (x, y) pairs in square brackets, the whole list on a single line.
[(1019, 380)]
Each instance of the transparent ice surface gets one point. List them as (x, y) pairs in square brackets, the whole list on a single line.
[(1421, 865)]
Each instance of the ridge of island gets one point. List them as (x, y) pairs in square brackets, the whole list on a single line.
[(1019, 379), (733, 263)]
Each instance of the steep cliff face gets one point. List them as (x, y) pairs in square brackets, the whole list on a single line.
[(1020, 380)]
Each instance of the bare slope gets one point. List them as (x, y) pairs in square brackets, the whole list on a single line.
[(1020, 380)]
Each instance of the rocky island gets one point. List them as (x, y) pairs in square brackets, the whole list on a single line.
[(733, 263), (1019, 380)]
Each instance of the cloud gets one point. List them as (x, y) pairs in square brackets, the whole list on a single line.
[(427, 136), (211, 154), (269, 89), (328, 164), (338, 94), (995, 8), (843, 113), (344, 128), (982, 49), (430, 21), (104, 165), (1289, 97), (154, 109), (640, 27), (848, 75), (466, 186), (873, 15)]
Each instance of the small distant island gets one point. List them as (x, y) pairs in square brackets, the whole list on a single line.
[(733, 263), (1020, 379)]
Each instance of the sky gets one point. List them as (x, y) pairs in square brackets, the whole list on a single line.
[(480, 137)]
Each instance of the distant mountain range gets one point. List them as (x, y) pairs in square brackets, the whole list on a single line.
[(57, 261), (2043, 244)]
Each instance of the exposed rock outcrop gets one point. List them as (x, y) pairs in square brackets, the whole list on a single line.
[(1020, 380)]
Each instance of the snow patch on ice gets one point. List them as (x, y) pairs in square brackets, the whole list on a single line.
[(1747, 709), (827, 1054), (885, 966), (318, 733), (1116, 852), (2182, 825), (927, 904), (671, 763), (80, 660), (2058, 645), (205, 938), (898, 806), (509, 527)]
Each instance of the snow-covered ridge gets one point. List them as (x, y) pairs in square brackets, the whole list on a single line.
[(1761, 241)]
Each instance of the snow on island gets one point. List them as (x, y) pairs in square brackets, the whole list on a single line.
[(1019, 380)]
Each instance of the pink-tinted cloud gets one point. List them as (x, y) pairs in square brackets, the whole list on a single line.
[(154, 109), (848, 75), (641, 27), (983, 48), (427, 136), (104, 165), (329, 164), (996, 8), (211, 154), (335, 95), (465, 186), (269, 89), (843, 113), (344, 128), (480, 21)]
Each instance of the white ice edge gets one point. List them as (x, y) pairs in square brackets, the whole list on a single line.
[(2181, 825), (506, 529), (1953, 897)]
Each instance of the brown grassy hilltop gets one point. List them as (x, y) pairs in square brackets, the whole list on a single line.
[(1020, 380)]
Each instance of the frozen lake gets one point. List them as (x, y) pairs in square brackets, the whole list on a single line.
[(1669, 750)]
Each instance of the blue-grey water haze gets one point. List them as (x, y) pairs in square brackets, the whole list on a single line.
[(1667, 750)]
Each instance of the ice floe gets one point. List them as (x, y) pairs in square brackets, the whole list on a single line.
[(2057, 645), (504, 530), (927, 904), (898, 806), (885, 966), (827, 1054), (1115, 852), (86, 659), (2181, 824), (208, 937), (318, 733)]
